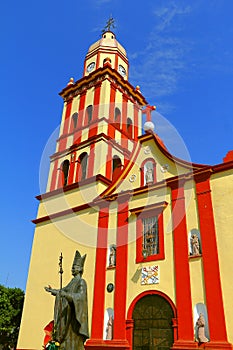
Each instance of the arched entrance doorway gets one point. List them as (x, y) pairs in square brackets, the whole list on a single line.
[(153, 319)]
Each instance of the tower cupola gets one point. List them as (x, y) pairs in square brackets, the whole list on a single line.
[(107, 49)]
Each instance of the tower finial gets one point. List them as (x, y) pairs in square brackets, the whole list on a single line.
[(110, 24)]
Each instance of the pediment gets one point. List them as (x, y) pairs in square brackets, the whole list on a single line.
[(150, 149)]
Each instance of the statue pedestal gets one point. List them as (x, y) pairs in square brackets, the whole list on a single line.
[(99, 344)]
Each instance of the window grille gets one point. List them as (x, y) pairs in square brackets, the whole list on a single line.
[(151, 235)]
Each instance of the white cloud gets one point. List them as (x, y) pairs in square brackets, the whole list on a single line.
[(166, 14), (159, 66)]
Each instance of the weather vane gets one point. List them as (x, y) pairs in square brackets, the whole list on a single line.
[(110, 24)]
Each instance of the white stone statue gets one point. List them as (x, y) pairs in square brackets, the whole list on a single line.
[(201, 329), (195, 245), (149, 175), (109, 329), (112, 256)]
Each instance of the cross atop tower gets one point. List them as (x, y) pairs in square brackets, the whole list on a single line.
[(110, 24)]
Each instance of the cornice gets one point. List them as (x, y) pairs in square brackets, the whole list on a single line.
[(98, 178), (155, 207), (98, 76), (61, 213), (200, 176), (91, 140), (104, 200), (222, 167)]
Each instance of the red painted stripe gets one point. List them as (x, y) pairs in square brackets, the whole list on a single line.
[(108, 171), (121, 271), (139, 230), (93, 129), (78, 133), (100, 275), (116, 62), (54, 176), (136, 110), (214, 301), (111, 129), (60, 181), (71, 170), (124, 139), (181, 268), (91, 160)]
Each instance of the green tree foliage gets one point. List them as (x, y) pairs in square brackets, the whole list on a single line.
[(11, 305)]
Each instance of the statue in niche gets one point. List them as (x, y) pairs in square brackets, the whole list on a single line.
[(195, 244), (149, 174), (201, 329), (112, 256), (109, 329), (70, 310)]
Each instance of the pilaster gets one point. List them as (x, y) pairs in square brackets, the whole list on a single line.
[(181, 269), (213, 289), (121, 270)]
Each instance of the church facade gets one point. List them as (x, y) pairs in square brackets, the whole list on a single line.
[(156, 230)]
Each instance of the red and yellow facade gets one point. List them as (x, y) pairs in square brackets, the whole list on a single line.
[(98, 196)]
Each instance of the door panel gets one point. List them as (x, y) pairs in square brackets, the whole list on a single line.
[(152, 324)]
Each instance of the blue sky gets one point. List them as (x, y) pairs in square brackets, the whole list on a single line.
[(180, 53)]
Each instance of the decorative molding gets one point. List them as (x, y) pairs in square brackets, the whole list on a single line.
[(164, 168), (147, 150), (132, 177), (152, 207), (101, 74), (150, 275), (61, 213), (73, 186), (203, 175), (150, 292)]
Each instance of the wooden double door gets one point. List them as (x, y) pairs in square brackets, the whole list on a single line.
[(153, 330)]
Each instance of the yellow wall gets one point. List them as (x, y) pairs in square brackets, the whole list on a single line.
[(70, 199), (104, 98), (222, 193), (49, 241)]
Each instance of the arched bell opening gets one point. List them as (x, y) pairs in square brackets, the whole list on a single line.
[(116, 167)]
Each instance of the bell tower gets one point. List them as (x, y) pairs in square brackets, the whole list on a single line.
[(100, 125), (101, 118)]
